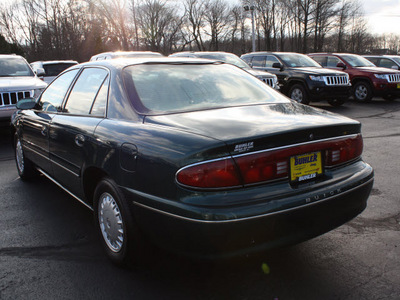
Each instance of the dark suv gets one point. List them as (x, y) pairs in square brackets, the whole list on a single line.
[(301, 78), (367, 79)]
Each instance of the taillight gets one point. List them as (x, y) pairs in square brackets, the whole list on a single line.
[(263, 166), (215, 174), (266, 165), (344, 150)]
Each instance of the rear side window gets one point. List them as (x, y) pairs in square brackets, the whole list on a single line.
[(52, 98), (85, 90), (320, 59), (100, 103), (270, 61), (333, 61), (374, 60), (258, 61), (387, 63)]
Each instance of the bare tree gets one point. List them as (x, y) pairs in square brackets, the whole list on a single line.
[(195, 20)]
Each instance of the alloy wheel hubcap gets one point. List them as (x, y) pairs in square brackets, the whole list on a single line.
[(111, 223), (297, 95), (361, 92), (19, 156)]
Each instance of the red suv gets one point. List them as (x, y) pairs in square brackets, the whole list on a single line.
[(367, 79)]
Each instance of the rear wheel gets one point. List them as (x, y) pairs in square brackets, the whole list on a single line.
[(362, 91), (118, 233), (337, 102), (26, 169), (298, 93)]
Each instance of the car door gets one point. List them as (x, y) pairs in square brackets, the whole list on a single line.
[(281, 73), (36, 123), (71, 133)]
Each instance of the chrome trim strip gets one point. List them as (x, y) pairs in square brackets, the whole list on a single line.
[(299, 144), (65, 168), (248, 218), (62, 187), (34, 151), (52, 161)]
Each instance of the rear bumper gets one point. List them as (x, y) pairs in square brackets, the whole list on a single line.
[(213, 238), (387, 89)]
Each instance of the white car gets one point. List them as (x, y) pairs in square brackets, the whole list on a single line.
[(17, 81), (52, 68)]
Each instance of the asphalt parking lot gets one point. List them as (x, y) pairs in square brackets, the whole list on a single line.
[(49, 249)]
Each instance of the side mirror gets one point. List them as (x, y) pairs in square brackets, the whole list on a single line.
[(40, 72), (341, 65), (277, 66), (27, 103), (395, 67)]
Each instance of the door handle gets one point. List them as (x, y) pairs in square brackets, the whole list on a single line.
[(79, 140), (44, 130)]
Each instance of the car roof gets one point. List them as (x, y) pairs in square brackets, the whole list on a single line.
[(119, 63), (333, 53), (269, 52), (10, 56), (201, 52), (116, 54), (48, 62), (382, 55)]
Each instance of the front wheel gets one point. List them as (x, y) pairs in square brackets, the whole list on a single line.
[(26, 169), (298, 93), (336, 102), (115, 224), (362, 91)]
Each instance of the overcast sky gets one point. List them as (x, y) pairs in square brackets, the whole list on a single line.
[(382, 15)]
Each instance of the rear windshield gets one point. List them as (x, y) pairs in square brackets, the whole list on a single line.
[(158, 88), (14, 67), (56, 68)]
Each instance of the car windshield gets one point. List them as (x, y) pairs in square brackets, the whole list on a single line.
[(227, 58), (298, 60), (357, 61), (187, 87), (14, 67)]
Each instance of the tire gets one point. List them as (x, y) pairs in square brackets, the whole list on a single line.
[(26, 169), (362, 91), (118, 232), (298, 93), (337, 102)]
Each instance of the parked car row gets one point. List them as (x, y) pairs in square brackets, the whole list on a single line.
[(304, 80), (295, 75), (367, 79), (301, 78)]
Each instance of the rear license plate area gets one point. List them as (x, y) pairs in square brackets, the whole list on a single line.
[(305, 167)]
